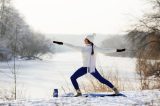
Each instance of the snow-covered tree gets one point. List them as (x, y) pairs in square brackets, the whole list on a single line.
[(15, 31)]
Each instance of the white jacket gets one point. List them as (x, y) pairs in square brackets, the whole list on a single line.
[(88, 59)]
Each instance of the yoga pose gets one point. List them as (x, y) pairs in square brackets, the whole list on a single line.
[(89, 62)]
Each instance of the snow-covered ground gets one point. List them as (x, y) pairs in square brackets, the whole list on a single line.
[(134, 98), (36, 80)]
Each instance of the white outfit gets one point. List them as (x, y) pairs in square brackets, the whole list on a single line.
[(88, 59)]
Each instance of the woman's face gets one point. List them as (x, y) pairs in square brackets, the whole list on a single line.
[(86, 41)]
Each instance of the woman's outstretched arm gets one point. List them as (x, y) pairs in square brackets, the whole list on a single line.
[(69, 45), (74, 47), (108, 50)]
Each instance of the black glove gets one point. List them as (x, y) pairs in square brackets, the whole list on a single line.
[(120, 50), (57, 42)]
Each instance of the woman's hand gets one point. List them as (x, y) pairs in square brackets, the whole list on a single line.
[(121, 50), (57, 42)]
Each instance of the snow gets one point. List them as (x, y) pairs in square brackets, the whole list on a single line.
[(39, 78), (134, 98), (36, 80)]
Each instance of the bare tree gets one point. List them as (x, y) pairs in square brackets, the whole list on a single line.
[(14, 67), (145, 38)]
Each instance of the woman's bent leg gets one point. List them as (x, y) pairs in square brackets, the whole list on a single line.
[(80, 72)]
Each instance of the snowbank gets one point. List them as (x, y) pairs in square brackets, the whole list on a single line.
[(134, 98)]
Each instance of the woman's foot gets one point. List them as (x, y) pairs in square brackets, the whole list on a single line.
[(78, 93), (115, 90)]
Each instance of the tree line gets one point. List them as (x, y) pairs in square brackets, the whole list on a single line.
[(17, 36), (145, 38)]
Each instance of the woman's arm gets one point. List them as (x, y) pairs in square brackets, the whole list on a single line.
[(73, 46), (108, 50), (69, 45)]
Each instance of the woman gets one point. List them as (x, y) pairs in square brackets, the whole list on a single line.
[(89, 62)]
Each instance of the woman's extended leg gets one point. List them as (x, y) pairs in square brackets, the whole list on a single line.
[(80, 72), (97, 75)]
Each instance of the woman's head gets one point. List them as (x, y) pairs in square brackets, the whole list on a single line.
[(89, 40)]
